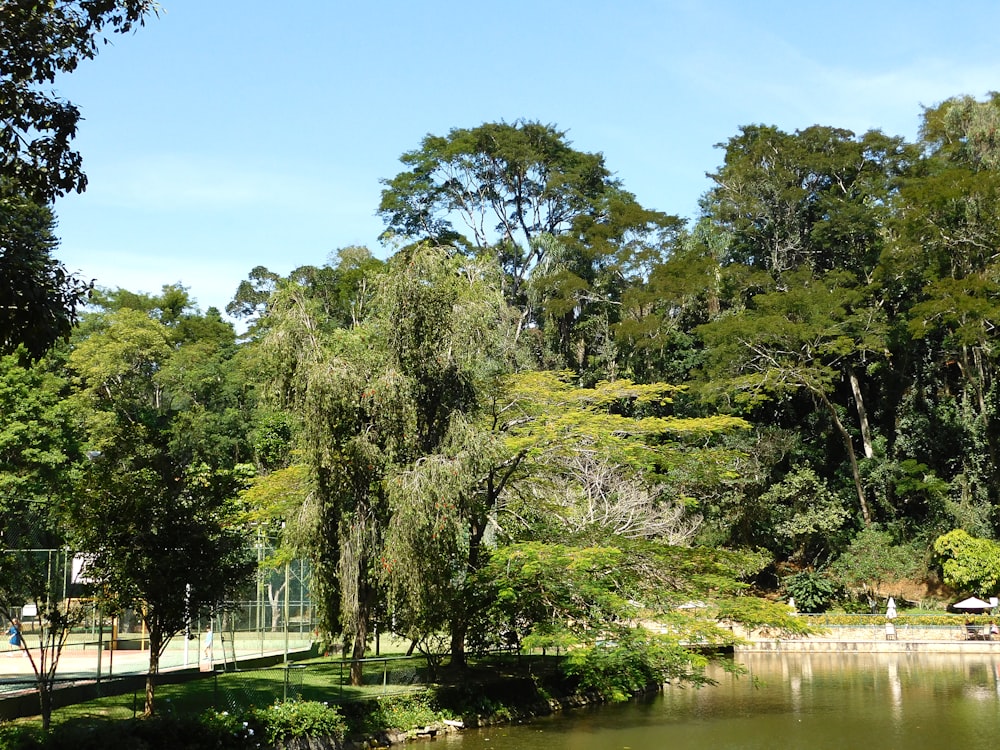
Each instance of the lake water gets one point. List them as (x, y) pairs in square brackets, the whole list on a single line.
[(808, 701)]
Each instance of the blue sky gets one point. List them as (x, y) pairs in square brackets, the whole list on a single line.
[(228, 134)]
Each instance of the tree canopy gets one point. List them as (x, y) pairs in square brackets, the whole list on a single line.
[(39, 41), (552, 416)]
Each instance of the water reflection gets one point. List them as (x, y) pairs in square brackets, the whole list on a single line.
[(814, 701)]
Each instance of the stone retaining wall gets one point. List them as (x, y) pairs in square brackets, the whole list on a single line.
[(872, 638)]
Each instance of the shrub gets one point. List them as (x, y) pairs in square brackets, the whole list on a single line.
[(212, 731), (402, 712), (289, 719), (619, 670), (813, 591)]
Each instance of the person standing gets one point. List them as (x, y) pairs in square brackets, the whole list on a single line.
[(208, 642), (14, 633)]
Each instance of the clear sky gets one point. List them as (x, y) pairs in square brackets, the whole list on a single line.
[(228, 134)]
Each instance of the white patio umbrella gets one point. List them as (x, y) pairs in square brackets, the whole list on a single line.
[(972, 602), (890, 610)]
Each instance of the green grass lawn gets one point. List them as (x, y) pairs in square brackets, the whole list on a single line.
[(323, 679)]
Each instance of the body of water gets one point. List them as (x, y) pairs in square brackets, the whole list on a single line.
[(809, 701)]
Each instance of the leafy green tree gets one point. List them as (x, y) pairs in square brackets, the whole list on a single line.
[(812, 590), (37, 577), (155, 512), (796, 227), (804, 335), (40, 41), (872, 559), (969, 563), (253, 293), (534, 477), (343, 289), (39, 299), (37, 439), (383, 405), (618, 607), (815, 198), (563, 230), (508, 184), (323, 375), (278, 508), (807, 516), (963, 130), (38, 447), (940, 275), (450, 338), (661, 308)]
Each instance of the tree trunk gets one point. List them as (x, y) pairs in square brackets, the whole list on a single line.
[(155, 640), (45, 705), (460, 607), (360, 642), (459, 628), (855, 471), (274, 597), (866, 432)]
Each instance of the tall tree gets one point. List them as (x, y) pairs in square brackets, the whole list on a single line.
[(814, 198), (564, 231), (39, 299), (941, 270), (375, 399), (796, 226), (155, 512), (38, 41), (39, 446), (804, 335)]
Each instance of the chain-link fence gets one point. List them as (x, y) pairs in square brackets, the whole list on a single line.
[(278, 618)]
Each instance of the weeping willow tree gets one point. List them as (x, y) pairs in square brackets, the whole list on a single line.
[(451, 338), (383, 405), (324, 375)]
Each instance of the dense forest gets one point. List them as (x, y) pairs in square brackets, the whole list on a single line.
[(550, 413)]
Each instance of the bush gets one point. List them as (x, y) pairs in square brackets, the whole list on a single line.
[(813, 591), (401, 712), (289, 719), (620, 670), (212, 731)]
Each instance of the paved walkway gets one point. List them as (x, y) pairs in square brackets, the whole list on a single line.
[(77, 664)]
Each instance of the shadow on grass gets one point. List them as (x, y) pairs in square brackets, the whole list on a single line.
[(324, 680)]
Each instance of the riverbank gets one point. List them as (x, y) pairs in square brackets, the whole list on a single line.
[(872, 639)]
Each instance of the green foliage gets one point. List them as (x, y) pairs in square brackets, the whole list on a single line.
[(555, 222), (212, 731), (291, 719), (37, 440), (864, 618), (39, 300), (758, 614), (807, 516), (481, 433), (813, 198), (813, 591), (400, 712), (969, 563), (557, 595), (635, 663), (155, 508), (872, 559), (39, 43)]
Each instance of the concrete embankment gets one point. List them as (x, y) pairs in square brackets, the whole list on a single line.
[(874, 639)]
